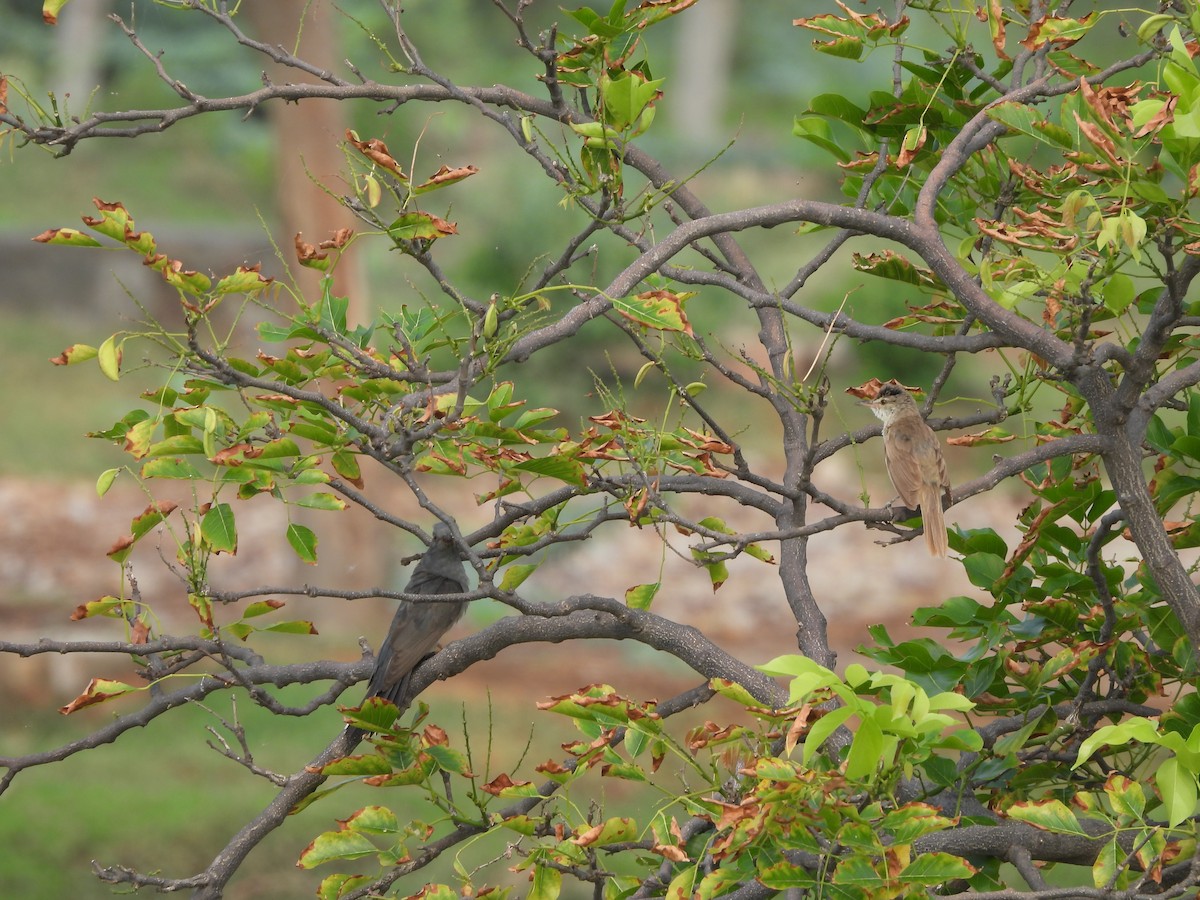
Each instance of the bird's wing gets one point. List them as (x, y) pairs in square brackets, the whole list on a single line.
[(417, 627), (903, 464)]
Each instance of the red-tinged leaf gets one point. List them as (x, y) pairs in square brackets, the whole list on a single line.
[(661, 310), (1057, 31), (67, 237), (76, 353), (261, 608), (367, 764), (296, 626), (113, 607), (114, 220), (420, 226), (1049, 815), (150, 517), (203, 607), (610, 831), (137, 438), (372, 820), (346, 465), (51, 9), (338, 885), (97, 691), (243, 281), (119, 551), (503, 786), (188, 280)]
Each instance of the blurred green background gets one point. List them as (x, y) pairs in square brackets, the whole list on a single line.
[(161, 799)]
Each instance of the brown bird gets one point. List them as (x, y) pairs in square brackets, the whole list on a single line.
[(914, 461), (418, 626)]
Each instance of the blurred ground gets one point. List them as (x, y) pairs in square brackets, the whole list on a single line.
[(56, 535)]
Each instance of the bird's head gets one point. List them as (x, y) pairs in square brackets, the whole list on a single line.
[(891, 401)]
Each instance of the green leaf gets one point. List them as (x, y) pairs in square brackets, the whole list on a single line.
[(338, 885), (984, 569), (1049, 815), (141, 525), (366, 765), (932, 869), (1024, 119), (531, 417), (866, 751), (782, 876), (419, 226), (822, 728), (547, 884), (218, 529), (175, 444), (165, 467), (335, 845), (816, 130), (104, 482), (449, 760), (373, 820), (642, 595), (624, 98), (295, 626), (109, 358), (514, 576), (113, 607), (321, 500), (1135, 729), (564, 468), (303, 541), (1178, 788), (1126, 795)]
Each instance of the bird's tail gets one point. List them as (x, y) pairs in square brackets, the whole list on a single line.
[(935, 522)]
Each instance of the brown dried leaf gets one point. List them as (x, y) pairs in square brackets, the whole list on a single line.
[(501, 782), (97, 691), (446, 175), (376, 150), (869, 390)]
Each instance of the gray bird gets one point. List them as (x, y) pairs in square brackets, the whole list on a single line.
[(417, 627)]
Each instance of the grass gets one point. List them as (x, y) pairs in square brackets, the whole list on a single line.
[(161, 801), (49, 408)]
